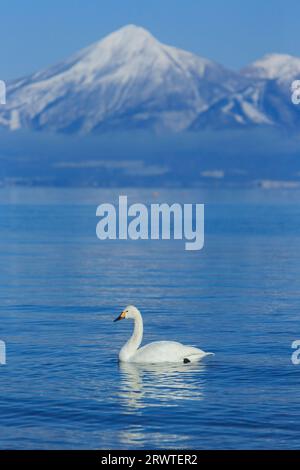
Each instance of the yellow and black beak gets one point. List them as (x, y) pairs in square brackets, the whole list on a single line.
[(120, 317)]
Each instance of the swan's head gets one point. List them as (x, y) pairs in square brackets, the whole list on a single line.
[(128, 312)]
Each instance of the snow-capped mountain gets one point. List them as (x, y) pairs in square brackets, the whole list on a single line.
[(266, 101), (126, 80), (129, 80)]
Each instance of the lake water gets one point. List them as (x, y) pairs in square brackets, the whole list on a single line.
[(60, 289)]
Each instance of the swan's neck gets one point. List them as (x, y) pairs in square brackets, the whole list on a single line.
[(134, 342)]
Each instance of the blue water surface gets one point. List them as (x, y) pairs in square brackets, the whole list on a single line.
[(61, 287)]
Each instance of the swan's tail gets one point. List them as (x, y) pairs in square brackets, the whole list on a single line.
[(198, 356)]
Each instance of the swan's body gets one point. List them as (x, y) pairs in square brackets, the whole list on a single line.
[(156, 352)]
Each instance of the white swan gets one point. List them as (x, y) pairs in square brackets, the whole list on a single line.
[(157, 352)]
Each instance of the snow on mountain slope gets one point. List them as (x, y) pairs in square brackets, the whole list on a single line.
[(126, 80), (236, 110), (266, 101)]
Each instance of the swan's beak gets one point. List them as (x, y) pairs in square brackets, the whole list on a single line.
[(120, 317)]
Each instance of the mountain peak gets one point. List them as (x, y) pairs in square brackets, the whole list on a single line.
[(119, 46), (128, 35), (274, 66), (132, 29)]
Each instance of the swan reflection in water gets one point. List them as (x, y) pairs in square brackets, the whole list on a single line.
[(160, 384)]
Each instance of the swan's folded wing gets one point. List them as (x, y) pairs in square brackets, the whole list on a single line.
[(166, 351)]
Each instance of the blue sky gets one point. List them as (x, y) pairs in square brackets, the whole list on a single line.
[(35, 33)]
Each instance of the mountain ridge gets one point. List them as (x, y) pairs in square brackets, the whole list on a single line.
[(130, 80)]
